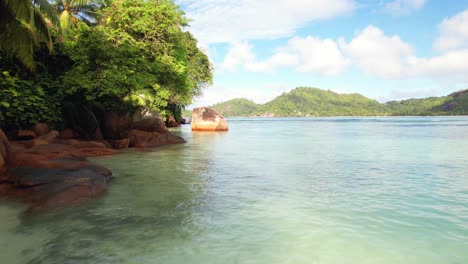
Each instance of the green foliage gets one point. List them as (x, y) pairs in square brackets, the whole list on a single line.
[(136, 54), (236, 107), (456, 105), (22, 103), (416, 106), (305, 101), (149, 61)]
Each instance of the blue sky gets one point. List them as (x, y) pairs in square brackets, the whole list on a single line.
[(385, 50)]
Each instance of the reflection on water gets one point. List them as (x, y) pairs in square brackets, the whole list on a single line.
[(371, 190)]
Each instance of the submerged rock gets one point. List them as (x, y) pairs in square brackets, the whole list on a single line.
[(52, 175), (49, 187), (207, 119)]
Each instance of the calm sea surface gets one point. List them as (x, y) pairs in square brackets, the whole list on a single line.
[(326, 190)]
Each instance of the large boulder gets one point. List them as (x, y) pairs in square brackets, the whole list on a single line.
[(154, 124), (120, 143), (207, 119), (142, 139), (41, 129), (116, 125), (46, 138), (49, 187)]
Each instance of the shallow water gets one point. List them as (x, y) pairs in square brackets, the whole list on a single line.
[(326, 190)]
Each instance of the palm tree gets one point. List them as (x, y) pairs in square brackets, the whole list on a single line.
[(71, 11), (23, 25)]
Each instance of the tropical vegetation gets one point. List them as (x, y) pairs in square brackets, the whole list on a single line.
[(95, 56)]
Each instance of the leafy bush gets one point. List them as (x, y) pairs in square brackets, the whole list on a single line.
[(22, 103)]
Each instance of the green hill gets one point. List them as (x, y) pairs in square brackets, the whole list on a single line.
[(236, 107), (305, 101)]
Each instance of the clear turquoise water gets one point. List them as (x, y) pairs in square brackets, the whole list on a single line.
[(331, 190)]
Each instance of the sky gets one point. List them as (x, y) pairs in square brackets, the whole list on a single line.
[(385, 50)]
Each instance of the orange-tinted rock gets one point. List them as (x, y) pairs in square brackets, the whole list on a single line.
[(67, 134), (81, 144), (142, 139), (53, 175), (41, 129), (46, 139), (50, 188), (105, 142), (94, 152), (121, 143), (206, 119), (171, 122), (54, 156), (155, 124)]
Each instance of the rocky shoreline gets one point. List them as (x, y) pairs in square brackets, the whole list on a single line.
[(52, 170), (49, 169)]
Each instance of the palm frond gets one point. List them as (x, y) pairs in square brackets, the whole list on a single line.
[(46, 8), (41, 28), (66, 20), (18, 40), (21, 8)]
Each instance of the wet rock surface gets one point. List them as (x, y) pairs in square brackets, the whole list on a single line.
[(143, 139), (50, 188), (48, 169)]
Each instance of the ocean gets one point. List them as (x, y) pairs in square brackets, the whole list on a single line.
[(293, 190)]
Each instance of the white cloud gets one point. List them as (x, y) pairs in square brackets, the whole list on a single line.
[(239, 54), (389, 57), (453, 32), (317, 55), (404, 7), (451, 64), (226, 21), (377, 54), (309, 54)]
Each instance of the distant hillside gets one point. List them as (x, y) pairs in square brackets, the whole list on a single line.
[(305, 101), (236, 107)]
